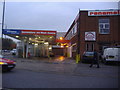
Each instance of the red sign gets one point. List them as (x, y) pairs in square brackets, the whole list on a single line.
[(37, 32), (104, 13), (90, 36)]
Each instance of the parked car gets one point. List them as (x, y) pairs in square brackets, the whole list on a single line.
[(13, 52), (6, 64), (87, 57), (111, 55)]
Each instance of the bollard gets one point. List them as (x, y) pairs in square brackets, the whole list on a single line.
[(77, 58)]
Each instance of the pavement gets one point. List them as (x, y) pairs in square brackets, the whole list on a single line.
[(62, 65)]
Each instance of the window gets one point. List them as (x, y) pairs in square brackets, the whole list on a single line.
[(75, 28), (87, 48), (104, 26), (73, 31), (90, 47)]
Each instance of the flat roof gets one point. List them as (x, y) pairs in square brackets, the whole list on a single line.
[(31, 35)]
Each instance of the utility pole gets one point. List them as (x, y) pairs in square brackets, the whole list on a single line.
[(2, 27), (3, 17)]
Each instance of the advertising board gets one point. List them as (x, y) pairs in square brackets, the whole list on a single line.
[(90, 36), (103, 12), (28, 32)]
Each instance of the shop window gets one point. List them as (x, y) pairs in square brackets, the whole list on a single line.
[(104, 26)]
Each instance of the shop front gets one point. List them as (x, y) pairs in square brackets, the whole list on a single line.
[(33, 43)]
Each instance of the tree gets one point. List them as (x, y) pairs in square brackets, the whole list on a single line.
[(8, 44)]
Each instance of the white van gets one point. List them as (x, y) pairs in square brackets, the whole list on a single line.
[(111, 54)]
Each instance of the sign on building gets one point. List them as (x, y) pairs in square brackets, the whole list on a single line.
[(37, 32), (103, 12), (28, 32), (11, 31), (90, 36)]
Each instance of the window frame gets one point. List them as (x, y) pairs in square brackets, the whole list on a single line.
[(103, 29)]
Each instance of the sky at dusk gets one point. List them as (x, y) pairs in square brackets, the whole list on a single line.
[(56, 16)]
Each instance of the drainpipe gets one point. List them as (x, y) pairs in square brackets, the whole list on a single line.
[(78, 40)]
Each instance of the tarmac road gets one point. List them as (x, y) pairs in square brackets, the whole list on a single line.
[(19, 78), (59, 74)]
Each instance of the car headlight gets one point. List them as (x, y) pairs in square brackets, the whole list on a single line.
[(14, 62), (3, 63)]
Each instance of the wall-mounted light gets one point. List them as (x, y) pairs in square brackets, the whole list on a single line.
[(61, 38)]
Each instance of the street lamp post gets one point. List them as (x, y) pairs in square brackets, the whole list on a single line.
[(4, 27)]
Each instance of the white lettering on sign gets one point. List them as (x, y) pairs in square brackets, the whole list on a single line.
[(51, 33), (43, 32), (11, 31), (103, 13), (90, 36), (28, 32), (25, 32)]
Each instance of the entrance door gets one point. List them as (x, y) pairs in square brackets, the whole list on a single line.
[(89, 46)]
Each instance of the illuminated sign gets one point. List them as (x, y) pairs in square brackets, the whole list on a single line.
[(37, 32), (104, 13), (28, 32), (11, 31), (90, 36)]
